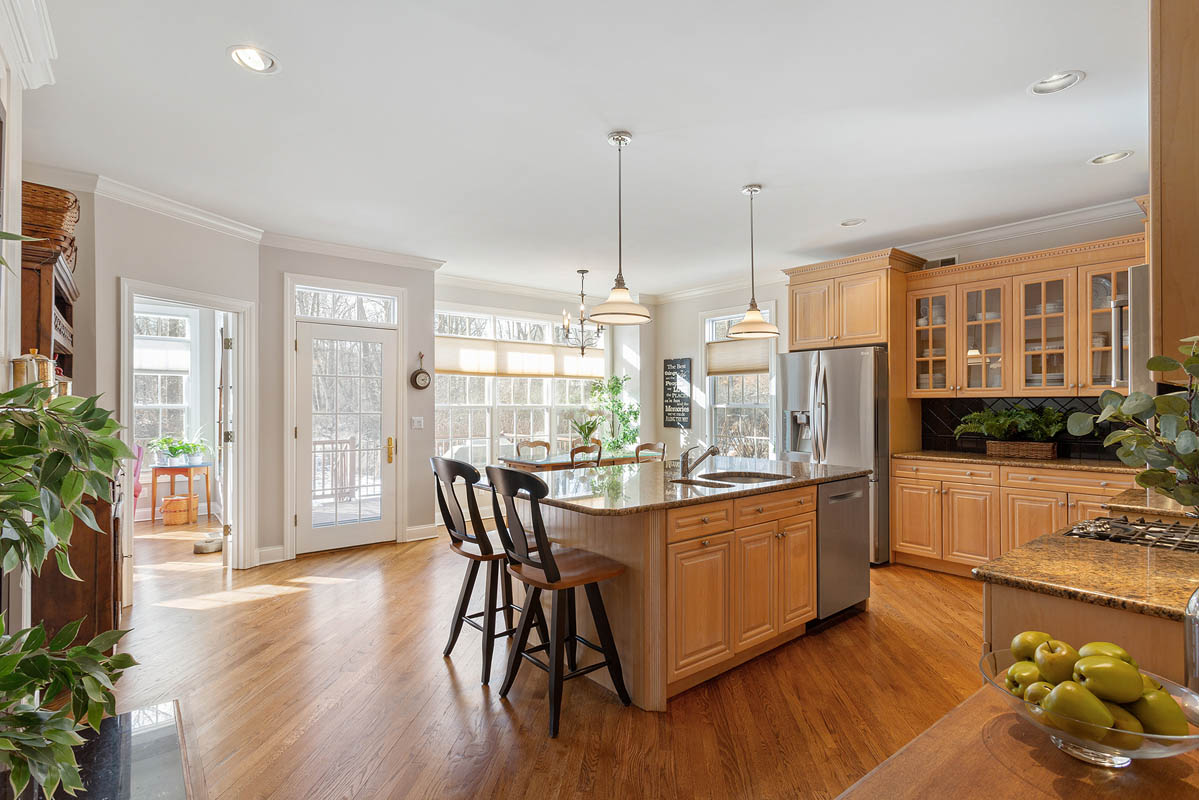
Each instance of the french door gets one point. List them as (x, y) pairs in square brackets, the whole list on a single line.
[(345, 436)]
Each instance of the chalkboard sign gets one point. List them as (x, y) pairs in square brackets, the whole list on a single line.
[(676, 392)]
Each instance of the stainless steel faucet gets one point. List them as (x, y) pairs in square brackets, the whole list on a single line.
[(685, 464)]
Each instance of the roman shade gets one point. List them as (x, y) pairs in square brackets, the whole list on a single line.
[(162, 355), (456, 355), (739, 356)]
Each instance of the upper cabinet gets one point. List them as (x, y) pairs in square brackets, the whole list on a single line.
[(1046, 334), (1103, 340), (811, 315), (931, 334), (861, 305)]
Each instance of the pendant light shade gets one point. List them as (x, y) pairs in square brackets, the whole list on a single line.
[(753, 325), (620, 308)]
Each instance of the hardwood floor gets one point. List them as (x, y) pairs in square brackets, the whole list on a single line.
[(323, 678)]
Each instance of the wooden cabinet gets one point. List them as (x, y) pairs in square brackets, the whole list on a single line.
[(797, 571), (861, 309), (811, 315), (982, 340), (689, 522), (699, 604), (916, 517), (1103, 330), (1045, 333), (755, 585), (931, 343), (1028, 514), (1086, 506), (760, 508), (970, 523)]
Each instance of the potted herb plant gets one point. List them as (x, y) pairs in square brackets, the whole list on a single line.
[(171, 451), (1015, 432), (196, 448), (587, 426), (1161, 434)]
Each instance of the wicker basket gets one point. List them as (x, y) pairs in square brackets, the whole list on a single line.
[(1038, 450), (48, 208), (180, 509)]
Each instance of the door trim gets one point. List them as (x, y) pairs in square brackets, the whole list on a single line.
[(244, 540), (290, 508)]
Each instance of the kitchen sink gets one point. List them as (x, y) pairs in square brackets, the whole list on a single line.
[(705, 483), (745, 477)]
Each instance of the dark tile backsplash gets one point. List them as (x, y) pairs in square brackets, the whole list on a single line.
[(940, 415)]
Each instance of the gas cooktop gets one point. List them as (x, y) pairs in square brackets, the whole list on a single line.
[(1181, 536)]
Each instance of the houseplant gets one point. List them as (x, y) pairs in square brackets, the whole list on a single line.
[(173, 450), (1161, 434), (586, 426), (1015, 432), (195, 448), (608, 397), (52, 454)]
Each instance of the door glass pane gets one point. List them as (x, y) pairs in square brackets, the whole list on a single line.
[(922, 347), (974, 311), (974, 374), (1032, 370), (1055, 369), (994, 373), (974, 339), (938, 341), (938, 310), (1101, 366), (1122, 285), (1101, 328), (1032, 335), (1055, 293), (1101, 291), (922, 375), (921, 312), (993, 303), (994, 337), (1055, 333), (939, 380), (1032, 299)]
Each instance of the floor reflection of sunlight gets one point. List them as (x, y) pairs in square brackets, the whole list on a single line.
[(319, 580), (180, 566), (247, 594), (182, 536)]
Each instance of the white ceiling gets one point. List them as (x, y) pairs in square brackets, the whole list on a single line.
[(474, 130)]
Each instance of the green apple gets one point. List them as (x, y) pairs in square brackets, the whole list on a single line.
[(1023, 673), (1125, 722), (1024, 644), (1036, 692), (1159, 713), (1074, 709), (1106, 649), (1149, 683), (1056, 660), (1109, 678)]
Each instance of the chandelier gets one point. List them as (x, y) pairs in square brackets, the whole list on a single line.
[(578, 336)]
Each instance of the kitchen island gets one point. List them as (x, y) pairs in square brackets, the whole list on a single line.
[(718, 570)]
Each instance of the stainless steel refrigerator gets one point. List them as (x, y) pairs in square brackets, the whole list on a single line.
[(834, 411)]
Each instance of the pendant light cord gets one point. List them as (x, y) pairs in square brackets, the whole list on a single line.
[(620, 215), (753, 292)]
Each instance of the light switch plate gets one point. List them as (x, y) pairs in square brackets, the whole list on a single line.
[(418, 423)]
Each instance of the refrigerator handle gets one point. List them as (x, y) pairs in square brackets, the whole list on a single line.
[(821, 397), (814, 417)]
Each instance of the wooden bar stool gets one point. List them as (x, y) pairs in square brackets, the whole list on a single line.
[(558, 570), (586, 455), (480, 546), (532, 445)]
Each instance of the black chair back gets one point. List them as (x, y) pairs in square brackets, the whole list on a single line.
[(446, 471), (508, 484)]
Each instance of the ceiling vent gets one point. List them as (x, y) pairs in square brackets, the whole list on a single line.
[(948, 261)]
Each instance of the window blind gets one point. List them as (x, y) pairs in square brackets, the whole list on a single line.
[(455, 355), (162, 355), (739, 357)]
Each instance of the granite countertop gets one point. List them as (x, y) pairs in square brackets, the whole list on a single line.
[(1141, 502), (562, 458), (1146, 580), (634, 488), (1084, 464)]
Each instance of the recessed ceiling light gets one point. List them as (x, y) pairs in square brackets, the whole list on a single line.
[(1057, 82), (1110, 158), (852, 222), (253, 58)]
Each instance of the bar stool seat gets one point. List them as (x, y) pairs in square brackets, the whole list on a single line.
[(575, 568), (475, 551)]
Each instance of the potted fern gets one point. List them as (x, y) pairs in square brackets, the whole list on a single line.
[(1015, 432)]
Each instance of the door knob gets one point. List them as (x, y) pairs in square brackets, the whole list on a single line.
[(391, 449)]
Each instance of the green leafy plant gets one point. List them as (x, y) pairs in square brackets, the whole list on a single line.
[(170, 445), (586, 426), (1161, 434), (1025, 424), (53, 452), (608, 397)]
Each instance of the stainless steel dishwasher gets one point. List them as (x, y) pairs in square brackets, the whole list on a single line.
[(842, 545)]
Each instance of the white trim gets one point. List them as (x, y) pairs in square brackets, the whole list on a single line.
[(285, 242), (421, 532), (244, 545), (700, 373), (950, 245), (27, 41), (270, 555), (290, 281), (724, 287), (487, 287), (141, 198), (69, 179)]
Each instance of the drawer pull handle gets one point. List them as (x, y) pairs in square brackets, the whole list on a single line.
[(758, 509), (1103, 483), (704, 520), (1032, 477), (1061, 502), (704, 542), (968, 473)]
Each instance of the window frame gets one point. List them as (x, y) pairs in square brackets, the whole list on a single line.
[(707, 393), (190, 388)]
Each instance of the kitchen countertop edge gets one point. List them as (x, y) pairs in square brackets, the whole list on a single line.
[(1083, 465)]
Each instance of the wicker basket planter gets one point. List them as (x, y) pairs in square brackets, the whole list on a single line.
[(1038, 450), (180, 509)]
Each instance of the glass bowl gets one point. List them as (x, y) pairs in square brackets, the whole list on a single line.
[(1083, 740)]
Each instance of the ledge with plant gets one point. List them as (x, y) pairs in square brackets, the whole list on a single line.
[(1015, 432)]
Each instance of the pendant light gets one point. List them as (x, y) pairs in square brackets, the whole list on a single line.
[(620, 308), (752, 325)]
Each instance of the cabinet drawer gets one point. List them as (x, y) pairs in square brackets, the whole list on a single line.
[(775, 505), (691, 521), (944, 471), (1067, 480)]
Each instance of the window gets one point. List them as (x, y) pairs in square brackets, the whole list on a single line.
[(502, 380), (739, 383), (330, 304), (162, 354)]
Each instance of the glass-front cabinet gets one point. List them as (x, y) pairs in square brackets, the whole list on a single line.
[(1045, 333), (1103, 318), (931, 343), (982, 364)]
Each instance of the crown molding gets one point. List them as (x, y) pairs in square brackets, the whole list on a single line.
[(27, 41), (487, 287), (301, 245), (725, 287), (133, 196), (69, 179), (950, 245)]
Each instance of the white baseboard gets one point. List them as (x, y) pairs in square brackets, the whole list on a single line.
[(418, 532), (269, 555)]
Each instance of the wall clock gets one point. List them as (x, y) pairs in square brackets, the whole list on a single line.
[(420, 378)]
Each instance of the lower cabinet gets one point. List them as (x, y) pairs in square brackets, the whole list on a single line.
[(916, 517), (797, 571), (755, 585), (970, 523), (1086, 506), (699, 605), (1029, 513)]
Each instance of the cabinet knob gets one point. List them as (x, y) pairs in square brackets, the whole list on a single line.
[(758, 509), (968, 473), (704, 542), (1103, 483), (1032, 477), (1072, 505), (779, 535), (1061, 502), (704, 520)]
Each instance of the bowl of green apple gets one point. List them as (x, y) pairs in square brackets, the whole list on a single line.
[(1095, 702)]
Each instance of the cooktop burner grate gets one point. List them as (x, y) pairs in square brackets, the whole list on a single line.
[(1181, 536)]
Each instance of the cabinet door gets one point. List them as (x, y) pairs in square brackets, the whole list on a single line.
[(1045, 334), (931, 343), (699, 604), (1087, 506), (1102, 318), (861, 316), (982, 339), (797, 571), (755, 585), (916, 517), (1028, 514), (970, 523), (811, 320)]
